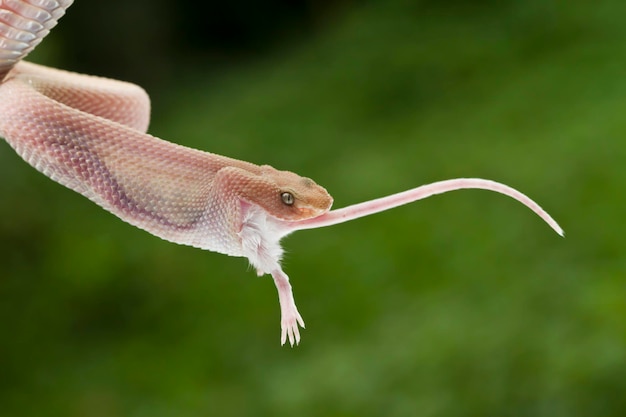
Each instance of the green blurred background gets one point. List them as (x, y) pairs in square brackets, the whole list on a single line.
[(461, 305)]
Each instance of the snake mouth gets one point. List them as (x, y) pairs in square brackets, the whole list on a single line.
[(308, 212), (300, 214)]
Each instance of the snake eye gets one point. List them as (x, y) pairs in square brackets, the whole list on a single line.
[(287, 198)]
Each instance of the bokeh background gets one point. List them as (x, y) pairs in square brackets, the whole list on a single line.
[(461, 305)]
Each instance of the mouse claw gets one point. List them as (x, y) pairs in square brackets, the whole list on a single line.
[(290, 323)]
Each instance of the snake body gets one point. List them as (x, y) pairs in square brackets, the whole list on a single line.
[(89, 134)]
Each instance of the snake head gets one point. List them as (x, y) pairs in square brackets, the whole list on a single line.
[(293, 197), (282, 195)]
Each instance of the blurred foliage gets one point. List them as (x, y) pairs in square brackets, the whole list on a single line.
[(461, 305)]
